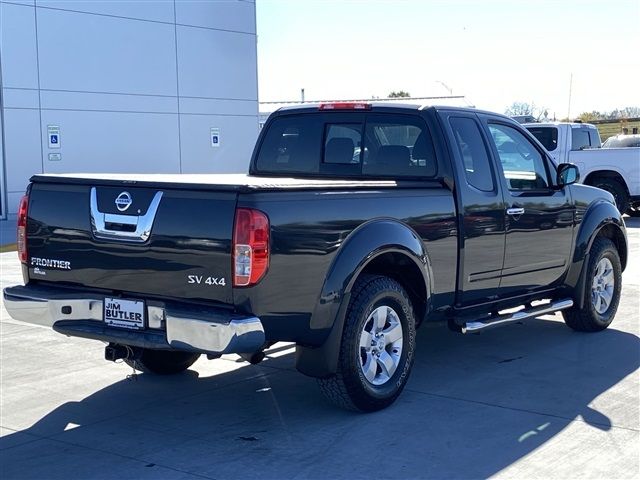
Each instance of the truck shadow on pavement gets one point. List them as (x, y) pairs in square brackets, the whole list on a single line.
[(474, 405)]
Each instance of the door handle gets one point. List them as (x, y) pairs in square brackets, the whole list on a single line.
[(515, 211)]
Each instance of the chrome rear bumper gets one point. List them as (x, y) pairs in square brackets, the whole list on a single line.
[(204, 330)]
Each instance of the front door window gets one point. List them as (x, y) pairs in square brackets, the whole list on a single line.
[(522, 164)]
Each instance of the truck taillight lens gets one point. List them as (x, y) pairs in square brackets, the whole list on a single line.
[(345, 106), (22, 228), (250, 247)]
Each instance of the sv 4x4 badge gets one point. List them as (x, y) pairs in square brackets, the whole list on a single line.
[(200, 279)]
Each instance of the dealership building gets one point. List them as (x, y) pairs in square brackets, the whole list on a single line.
[(129, 86)]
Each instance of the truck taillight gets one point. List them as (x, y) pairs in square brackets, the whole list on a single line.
[(345, 106), (250, 247), (22, 228)]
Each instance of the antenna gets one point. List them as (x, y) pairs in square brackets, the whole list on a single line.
[(569, 107)]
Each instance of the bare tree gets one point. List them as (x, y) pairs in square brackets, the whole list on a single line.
[(524, 108), (399, 94), (631, 112), (519, 108)]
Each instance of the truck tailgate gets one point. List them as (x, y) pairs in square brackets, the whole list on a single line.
[(95, 235)]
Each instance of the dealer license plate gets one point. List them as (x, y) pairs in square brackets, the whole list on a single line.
[(124, 313)]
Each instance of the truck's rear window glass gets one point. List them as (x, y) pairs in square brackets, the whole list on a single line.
[(375, 145), (292, 144), (474, 154), (547, 136), (398, 146), (342, 143), (594, 138), (584, 137)]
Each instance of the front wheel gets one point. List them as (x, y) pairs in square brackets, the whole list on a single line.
[(603, 285), (162, 362), (378, 346)]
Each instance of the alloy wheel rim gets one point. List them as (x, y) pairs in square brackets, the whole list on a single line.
[(602, 286), (381, 345)]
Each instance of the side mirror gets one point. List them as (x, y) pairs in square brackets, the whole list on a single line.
[(568, 173)]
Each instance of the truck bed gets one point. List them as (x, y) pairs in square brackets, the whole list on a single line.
[(227, 182), (188, 254)]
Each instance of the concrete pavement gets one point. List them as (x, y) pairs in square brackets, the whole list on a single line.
[(525, 401)]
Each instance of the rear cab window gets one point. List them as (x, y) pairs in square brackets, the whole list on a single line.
[(547, 136), (380, 145), (291, 145), (584, 137)]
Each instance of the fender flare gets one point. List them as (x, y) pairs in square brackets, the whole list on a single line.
[(362, 246), (600, 215)]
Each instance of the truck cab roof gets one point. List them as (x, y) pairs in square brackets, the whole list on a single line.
[(377, 106), (558, 124)]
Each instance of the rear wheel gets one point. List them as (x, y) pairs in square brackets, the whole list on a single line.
[(615, 188), (603, 285), (377, 349), (163, 362)]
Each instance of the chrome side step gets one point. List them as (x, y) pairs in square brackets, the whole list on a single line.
[(500, 320)]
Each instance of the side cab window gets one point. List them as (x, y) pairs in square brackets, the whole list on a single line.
[(398, 146), (474, 154)]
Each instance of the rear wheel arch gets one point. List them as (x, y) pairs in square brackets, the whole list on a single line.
[(404, 270), (384, 247), (600, 174)]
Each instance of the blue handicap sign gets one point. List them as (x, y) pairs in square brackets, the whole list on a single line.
[(214, 139), (54, 138)]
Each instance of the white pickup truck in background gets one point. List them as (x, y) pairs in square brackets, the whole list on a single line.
[(616, 170)]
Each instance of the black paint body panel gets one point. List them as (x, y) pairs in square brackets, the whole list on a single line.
[(191, 236)]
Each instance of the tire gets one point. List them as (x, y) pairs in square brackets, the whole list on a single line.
[(634, 210), (163, 362), (596, 314), (615, 188), (370, 375)]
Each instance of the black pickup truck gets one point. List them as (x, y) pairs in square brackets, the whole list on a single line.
[(357, 223)]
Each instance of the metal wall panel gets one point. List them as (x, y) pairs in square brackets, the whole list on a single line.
[(218, 107), (18, 46), (155, 10), (113, 142), (234, 16), (56, 100), (129, 89), (236, 145), (105, 54), (20, 98), (216, 64), (21, 147)]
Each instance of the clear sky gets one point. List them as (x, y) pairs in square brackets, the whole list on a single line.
[(493, 51)]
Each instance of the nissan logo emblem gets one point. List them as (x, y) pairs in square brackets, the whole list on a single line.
[(123, 201)]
